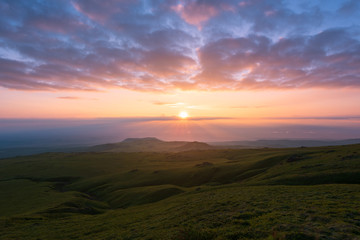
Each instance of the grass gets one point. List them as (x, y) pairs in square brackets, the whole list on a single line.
[(300, 193), (22, 196)]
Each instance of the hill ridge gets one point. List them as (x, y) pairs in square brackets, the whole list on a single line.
[(151, 144)]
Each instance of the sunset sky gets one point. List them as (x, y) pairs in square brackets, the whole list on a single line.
[(240, 68)]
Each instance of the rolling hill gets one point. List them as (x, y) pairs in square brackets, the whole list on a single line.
[(292, 193), (285, 143), (150, 144)]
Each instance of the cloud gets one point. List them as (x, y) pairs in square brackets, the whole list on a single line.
[(244, 106), (75, 98), (178, 44), (327, 59), (69, 98), (178, 104), (353, 117), (196, 12)]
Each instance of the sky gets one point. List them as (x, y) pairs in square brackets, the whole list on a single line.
[(241, 69)]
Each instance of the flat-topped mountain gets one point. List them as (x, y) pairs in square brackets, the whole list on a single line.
[(150, 144)]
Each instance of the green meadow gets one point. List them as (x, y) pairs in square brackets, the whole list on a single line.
[(292, 193)]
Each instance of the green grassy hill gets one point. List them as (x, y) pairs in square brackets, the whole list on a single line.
[(293, 193)]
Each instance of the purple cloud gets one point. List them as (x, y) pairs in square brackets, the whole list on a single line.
[(327, 59), (179, 44)]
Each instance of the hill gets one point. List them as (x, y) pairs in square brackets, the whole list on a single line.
[(285, 143), (292, 193), (150, 144)]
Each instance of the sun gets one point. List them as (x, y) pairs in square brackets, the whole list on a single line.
[(183, 115)]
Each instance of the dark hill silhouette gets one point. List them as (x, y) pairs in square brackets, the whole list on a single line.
[(146, 139), (150, 144)]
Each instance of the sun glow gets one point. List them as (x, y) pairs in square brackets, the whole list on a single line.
[(183, 115)]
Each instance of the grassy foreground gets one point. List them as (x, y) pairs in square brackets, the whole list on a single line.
[(302, 193)]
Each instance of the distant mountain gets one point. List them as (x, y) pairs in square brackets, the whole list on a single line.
[(284, 143), (150, 144)]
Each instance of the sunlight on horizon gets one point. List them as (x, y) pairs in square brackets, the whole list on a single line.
[(210, 66), (183, 115)]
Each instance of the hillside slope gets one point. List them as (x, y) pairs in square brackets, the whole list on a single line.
[(285, 143), (150, 144), (298, 193)]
